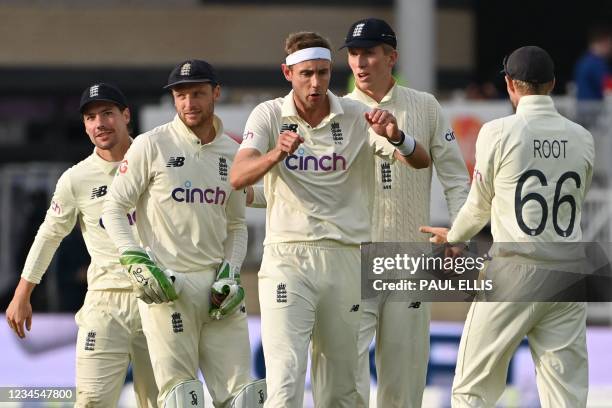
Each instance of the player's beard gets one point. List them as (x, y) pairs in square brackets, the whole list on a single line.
[(204, 118)]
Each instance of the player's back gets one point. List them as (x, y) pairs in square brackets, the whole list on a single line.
[(542, 170)]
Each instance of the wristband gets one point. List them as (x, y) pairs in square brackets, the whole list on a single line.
[(406, 146)]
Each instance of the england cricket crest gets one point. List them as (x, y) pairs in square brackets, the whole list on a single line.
[(281, 293), (336, 133), (90, 341), (177, 322), (385, 175), (223, 168)]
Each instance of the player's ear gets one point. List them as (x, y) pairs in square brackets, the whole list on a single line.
[(216, 92), (287, 72), (393, 56), (509, 84), (126, 115)]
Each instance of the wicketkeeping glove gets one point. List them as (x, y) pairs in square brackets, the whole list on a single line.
[(152, 283), (226, 294)]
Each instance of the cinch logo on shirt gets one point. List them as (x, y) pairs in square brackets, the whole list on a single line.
[(197, 195), (300, 162)]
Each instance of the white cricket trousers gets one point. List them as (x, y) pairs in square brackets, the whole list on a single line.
[(182, 338), (557, 338), (310, 290), (110, 337), (402, 351)]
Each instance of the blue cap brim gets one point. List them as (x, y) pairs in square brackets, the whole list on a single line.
[(119, 104), (189, 81), (362, 44)]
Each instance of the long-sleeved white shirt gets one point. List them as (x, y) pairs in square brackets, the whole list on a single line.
[(78, 196), (188, 213), (402, 194), (532, 173)]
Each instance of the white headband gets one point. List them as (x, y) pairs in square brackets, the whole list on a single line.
[(308, 54)]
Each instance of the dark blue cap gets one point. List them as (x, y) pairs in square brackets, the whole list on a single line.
[(530, 64), (368, 33), (192, 71), (103, 92)]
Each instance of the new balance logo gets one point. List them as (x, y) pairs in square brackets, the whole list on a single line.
[(385, 175), (177, 322), (281, 293), (98, 192), (414, 305), (186, 69), (336, 133), (90, 341), (177, 161), (93, 91), (243, 309), (358, 29), (354, 308), (223, 168), (292, 127)]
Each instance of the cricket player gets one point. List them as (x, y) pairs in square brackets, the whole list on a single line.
[(531, 195), (110, 335), (401, 205), (193, 224), (317, 155)]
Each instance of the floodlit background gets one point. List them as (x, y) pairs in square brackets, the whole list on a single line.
[(51, 50)]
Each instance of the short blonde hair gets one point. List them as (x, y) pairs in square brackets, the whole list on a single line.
[(305, 39), (387, 49), (529, 88)]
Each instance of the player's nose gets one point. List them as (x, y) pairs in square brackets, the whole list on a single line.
[(362, 61), (315, 81)]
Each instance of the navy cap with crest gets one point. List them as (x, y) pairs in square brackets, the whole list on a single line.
[(368, 33), (530, 64), (102, 92), (192, 71)]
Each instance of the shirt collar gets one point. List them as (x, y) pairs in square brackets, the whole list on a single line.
[(368, 100), (288, 109), (191, 137), (107, 167), (531, 103)]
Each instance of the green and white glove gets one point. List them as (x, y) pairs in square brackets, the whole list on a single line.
[(226, 294), (152, 284)]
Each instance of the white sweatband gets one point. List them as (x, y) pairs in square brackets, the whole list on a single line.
[(406, 145), (308, 54)]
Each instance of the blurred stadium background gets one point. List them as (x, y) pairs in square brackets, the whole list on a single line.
[(52, 50)]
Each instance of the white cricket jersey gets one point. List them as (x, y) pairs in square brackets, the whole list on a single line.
[(532, 172), (79, 195), (188, 213), (402, 194), (325, 189)]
